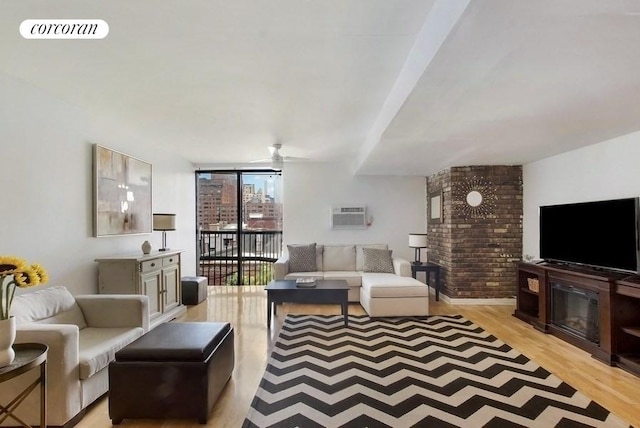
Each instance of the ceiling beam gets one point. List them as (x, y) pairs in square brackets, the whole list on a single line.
[(440, 21)]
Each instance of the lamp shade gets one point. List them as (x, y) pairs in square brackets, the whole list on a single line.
[(418, 240), (164, 222)]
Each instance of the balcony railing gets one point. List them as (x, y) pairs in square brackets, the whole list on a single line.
[(229, 257)]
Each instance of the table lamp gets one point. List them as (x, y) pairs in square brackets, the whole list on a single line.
[(164, 222), (417, 241)]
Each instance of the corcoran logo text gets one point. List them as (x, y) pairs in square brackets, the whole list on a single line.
[(64, 29)]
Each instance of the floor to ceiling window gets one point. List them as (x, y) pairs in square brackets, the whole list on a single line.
[(239, 218)]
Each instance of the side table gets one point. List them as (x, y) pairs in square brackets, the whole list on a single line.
[(28, 356), (428, 268)]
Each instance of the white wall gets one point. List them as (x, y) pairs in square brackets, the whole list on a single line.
[(46, 202), (608, 170), (397, 205)]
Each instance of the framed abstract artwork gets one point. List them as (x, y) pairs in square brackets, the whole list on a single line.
[(122, 193), (435, 207)]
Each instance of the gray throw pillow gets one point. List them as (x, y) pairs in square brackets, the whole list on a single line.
[(376, 260), (302, 258)]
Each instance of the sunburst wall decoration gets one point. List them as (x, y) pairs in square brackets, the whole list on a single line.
[(476, 196)]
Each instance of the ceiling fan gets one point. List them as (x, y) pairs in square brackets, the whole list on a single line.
[(276, 159)]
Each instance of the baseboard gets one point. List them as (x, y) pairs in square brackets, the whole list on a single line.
[(484, 302)]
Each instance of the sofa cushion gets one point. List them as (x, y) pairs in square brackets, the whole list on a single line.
[(98, 347), (391, 285), (353, 278), (339, 257), (377, 260), (53, 305), (302, 258), (401, 267), (360, 255), (319, 252)]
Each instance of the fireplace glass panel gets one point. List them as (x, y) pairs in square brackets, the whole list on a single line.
[(575, 310)]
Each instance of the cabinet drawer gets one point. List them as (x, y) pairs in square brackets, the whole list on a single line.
[(151, 265), (170, 261)]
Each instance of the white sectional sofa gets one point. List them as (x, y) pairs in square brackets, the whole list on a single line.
[(83, 334), (386, 291)]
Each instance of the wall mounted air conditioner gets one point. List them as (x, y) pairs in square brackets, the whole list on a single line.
[(349, 217)]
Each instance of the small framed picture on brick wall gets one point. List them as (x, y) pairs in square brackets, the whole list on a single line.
[(435, 207)]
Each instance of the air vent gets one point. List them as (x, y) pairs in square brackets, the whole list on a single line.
[(349, 217)]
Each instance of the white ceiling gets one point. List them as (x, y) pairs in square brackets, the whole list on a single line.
[(398, 86)]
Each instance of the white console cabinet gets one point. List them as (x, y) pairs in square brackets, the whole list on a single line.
[(156, 275)]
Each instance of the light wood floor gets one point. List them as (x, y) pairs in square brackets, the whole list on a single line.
[(245, 308)]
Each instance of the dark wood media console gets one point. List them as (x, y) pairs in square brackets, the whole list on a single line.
[(531, 305), (627, 313), (596, 310)]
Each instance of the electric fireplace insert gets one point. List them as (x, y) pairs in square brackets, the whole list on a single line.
[(575, 311)]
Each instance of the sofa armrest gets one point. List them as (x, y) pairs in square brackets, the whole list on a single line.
[(63, 367), (115, 310), (281, 267), (401, 267)]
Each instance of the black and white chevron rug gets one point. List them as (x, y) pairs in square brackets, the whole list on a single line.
[(437, 371)]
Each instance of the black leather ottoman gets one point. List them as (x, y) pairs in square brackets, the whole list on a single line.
[(176, 370)]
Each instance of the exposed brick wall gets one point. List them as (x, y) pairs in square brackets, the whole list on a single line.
[(439, 234), (477, 247)]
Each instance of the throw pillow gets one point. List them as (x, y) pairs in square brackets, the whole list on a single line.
[(302, 258), (377, 260)]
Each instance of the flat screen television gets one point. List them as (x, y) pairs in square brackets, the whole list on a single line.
[(602, 234)]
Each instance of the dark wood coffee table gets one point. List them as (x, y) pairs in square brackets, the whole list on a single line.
[(331, 291)]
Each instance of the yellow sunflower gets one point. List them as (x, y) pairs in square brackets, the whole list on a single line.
[(39, 270), (26, 278), (11, 264), (14, 272)]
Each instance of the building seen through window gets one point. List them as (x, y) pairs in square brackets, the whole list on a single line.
[(239, 225)]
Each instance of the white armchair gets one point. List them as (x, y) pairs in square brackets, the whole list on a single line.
[(83, 334)]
